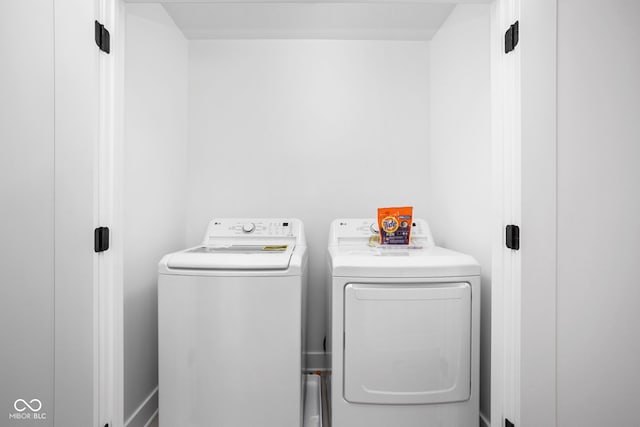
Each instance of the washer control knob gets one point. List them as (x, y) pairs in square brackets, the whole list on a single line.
[(248, 227), (374, 228)]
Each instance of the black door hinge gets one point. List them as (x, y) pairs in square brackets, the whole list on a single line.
[(103, 39), (511, 37), (508, 423), (101, 239), (513, 237)]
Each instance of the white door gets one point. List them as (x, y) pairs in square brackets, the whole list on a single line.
[(27, 213), (407, 344), (48, 131)]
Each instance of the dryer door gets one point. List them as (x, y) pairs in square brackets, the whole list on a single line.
[(407, 344)]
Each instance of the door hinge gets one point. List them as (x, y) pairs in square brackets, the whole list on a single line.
[(511, 37), (508, 423), (103, 39), (101, 239), (513, 237)]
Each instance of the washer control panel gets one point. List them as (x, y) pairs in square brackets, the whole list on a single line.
[(249, 227), (258, 227)]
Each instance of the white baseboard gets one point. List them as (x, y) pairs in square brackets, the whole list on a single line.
[(145, 413), (318, 361), (484, 422)]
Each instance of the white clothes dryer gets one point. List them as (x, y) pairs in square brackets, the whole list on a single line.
[(405, 330), (231, 323)]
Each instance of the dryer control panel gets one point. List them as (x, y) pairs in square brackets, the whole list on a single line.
[(356, 230)]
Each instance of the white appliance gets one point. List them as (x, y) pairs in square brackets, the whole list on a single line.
[(231, 324), (405, 330)]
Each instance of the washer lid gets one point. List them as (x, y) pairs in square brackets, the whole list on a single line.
[(364, 261), (275, 256)]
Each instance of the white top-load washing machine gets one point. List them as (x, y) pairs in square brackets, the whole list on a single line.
[(231, 324), (405, 330)]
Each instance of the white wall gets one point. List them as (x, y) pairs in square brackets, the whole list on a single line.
[(460, 153), (155, 162), (529, 296), (598, 343), (313, 129)]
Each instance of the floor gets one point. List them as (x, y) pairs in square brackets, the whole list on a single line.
[(325, 390), (153, 423)]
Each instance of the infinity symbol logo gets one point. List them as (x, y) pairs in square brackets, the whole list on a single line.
[(21, 405)]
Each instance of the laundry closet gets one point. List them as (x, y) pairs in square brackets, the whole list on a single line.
[(309, 110), (509, 125)]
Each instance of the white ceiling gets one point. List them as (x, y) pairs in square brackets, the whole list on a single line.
[(391, 20), (311, 1)]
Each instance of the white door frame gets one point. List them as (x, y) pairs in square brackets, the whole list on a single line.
[(506, 195), (523, 385), (110, 353)]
